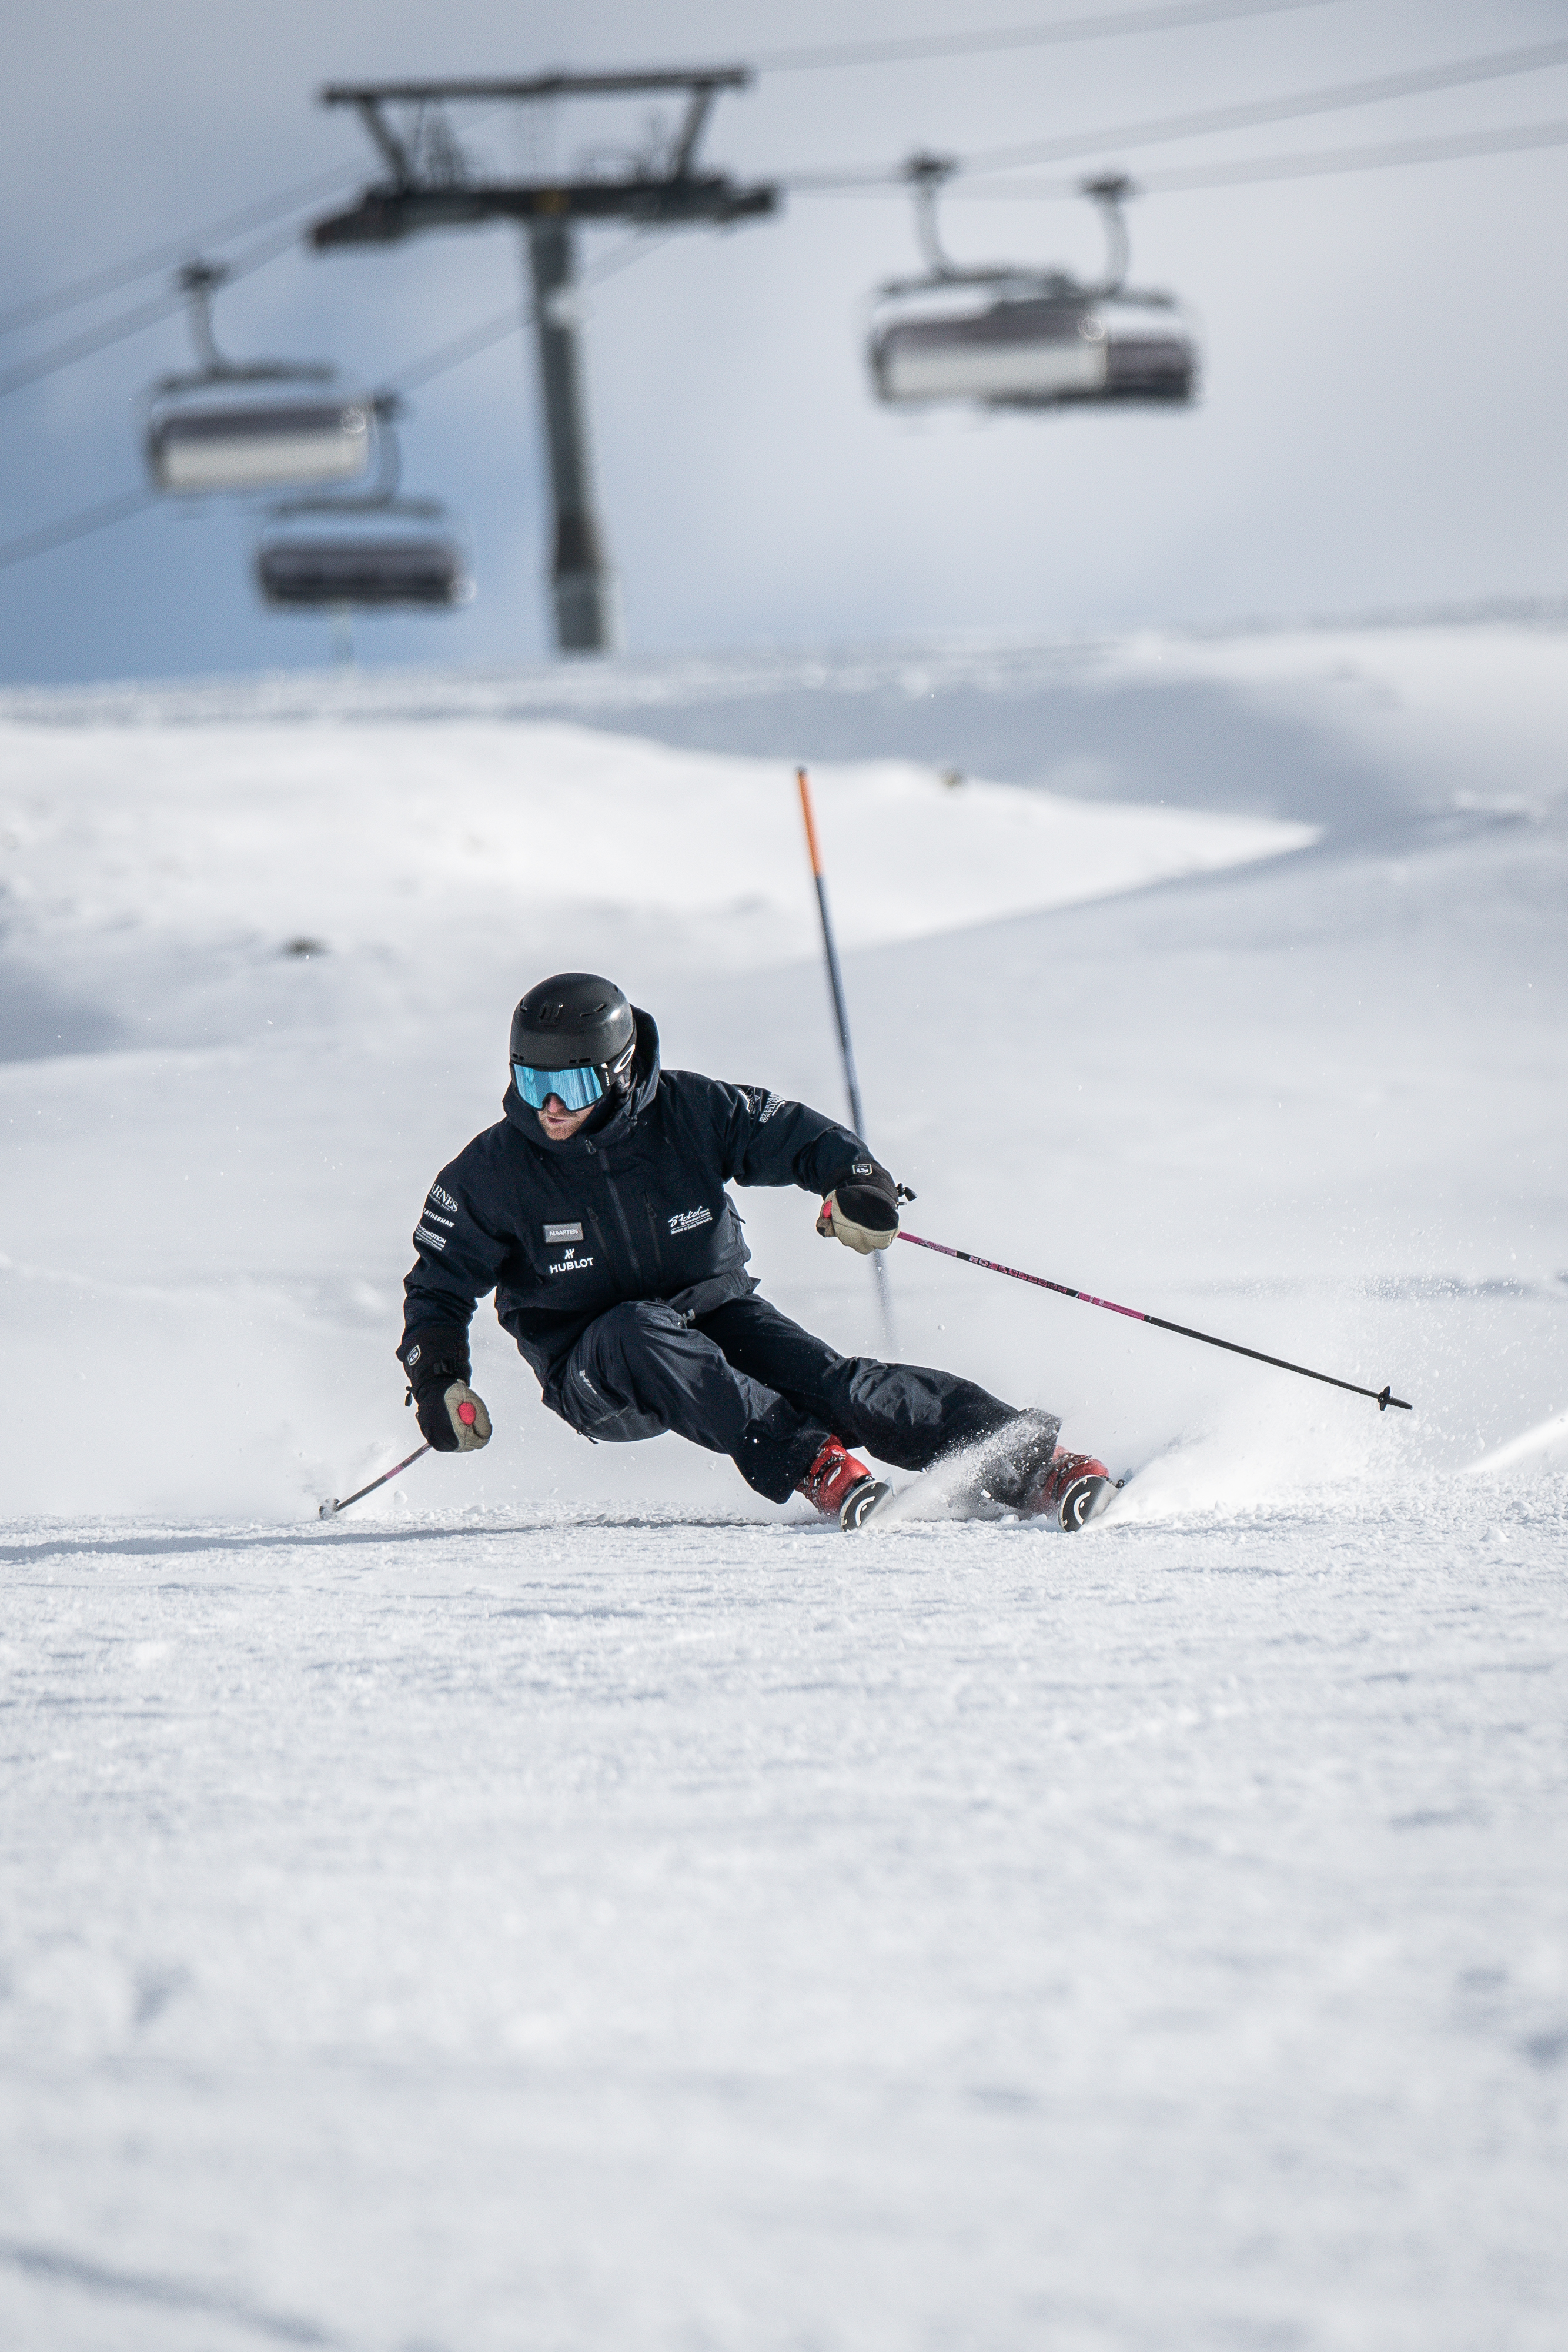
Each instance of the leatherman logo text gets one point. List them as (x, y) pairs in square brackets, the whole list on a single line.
[(689, 1220), (563, 1234)]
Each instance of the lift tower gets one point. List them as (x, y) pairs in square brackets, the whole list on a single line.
[(430, 183)]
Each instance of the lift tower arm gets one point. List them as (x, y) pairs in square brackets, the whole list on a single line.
[(429, 185), (415, 199)]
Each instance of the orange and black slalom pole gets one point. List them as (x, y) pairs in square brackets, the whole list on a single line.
[(841, 1014), (835, 977)]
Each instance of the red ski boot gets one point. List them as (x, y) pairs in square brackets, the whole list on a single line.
[(1076, 1489), (837, 1482)]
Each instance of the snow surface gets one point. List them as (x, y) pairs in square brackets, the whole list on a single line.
[(566, 1902)]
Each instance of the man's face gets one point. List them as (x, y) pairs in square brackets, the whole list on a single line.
[(558, 1122)]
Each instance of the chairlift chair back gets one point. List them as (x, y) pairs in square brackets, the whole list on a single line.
[(199, 447), (368, 570)]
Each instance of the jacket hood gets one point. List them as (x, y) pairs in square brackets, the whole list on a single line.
[(622, 1117)]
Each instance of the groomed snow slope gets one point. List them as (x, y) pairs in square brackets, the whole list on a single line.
[(567, 1902)]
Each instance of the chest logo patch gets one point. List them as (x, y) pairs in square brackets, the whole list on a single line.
[(570, 1263), (554, 1234), (689, 1220)]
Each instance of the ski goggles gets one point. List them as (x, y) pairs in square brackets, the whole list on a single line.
[(577, 1089)]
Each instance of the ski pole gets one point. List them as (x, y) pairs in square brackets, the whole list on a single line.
[(1380, 1397), (841, 1014), (331, 1510)]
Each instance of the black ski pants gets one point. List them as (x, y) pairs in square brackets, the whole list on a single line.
[(745, 1381)]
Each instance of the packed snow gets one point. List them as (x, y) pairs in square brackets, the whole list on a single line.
[(565, 1901)]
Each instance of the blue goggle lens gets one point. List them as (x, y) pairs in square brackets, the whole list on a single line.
[(577, 1089)]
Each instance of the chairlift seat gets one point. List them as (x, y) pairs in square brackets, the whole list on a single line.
[(1014, 351), (237, 445), (379, 572)]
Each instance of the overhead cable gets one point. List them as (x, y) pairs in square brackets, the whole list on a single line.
[(1498, 66), (916, 48), (132, 323), (162, 257), (462, 347), (1158, 129), (55, 534), (437, 363), (507, 322), (1332, 162)]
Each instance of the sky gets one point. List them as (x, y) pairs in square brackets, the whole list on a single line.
[(1379, 429)]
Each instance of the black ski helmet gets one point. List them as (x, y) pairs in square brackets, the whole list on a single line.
[(576, 1020)]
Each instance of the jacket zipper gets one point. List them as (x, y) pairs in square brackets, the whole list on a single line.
[(613, 1190)]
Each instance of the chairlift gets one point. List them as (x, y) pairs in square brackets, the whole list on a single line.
[(364, 570), (1020, 338), (379, 552), (208, 433)]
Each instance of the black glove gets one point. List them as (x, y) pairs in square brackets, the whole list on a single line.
[(868, 1196), (449, 1413), (861, 1210)]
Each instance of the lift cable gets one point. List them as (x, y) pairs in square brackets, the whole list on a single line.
[(162, 257), (57, 534), (1195, 11), (509, 321), (1498, 66), (916, 48), (1329, 163), (1159, 129), (937, 44), (132, 323), (493, 331), (418, 371)]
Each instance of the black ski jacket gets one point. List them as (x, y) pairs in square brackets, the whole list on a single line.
[(561, 1231)]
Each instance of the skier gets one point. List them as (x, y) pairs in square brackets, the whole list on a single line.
[(596, 1210)]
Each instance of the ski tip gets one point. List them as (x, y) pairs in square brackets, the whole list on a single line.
[(861, 1501)]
